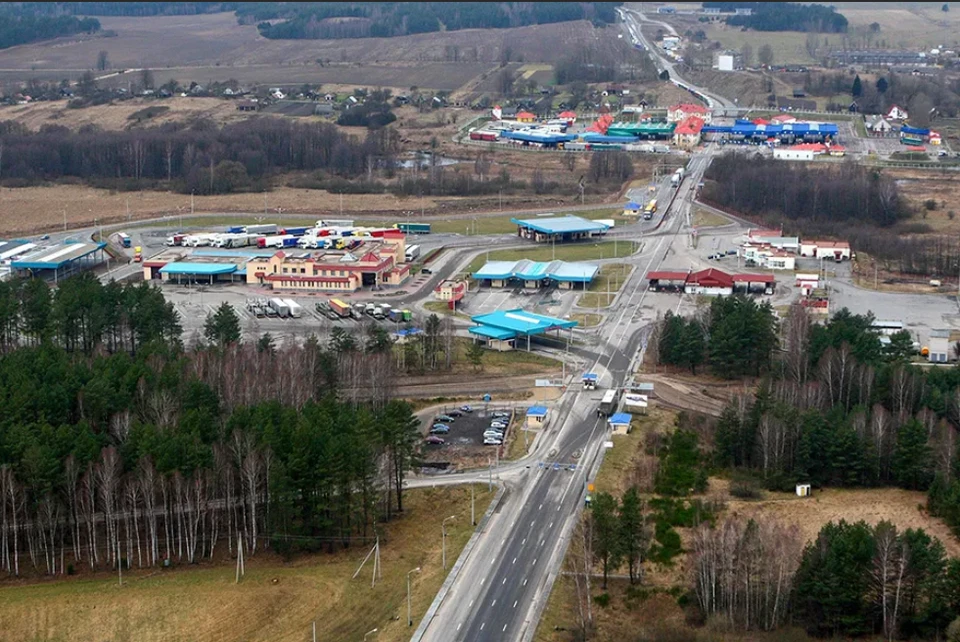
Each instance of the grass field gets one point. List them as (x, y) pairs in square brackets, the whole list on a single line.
[(483, 225), (569, 252), (788, 46), (707, 218), (604, 288), (586, 319), (275, 601)]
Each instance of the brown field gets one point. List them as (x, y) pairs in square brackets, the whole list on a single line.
[(276, 600), (214, 47), (943, 187)]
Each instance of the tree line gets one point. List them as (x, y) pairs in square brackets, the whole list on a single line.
[(736, 336), (188, 158), (784, 16), (120, 446), (313, 20), (20, 25)]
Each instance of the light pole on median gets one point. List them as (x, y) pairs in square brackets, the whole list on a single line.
[(409, 617), (443, 540)]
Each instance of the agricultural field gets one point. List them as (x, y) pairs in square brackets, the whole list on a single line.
[(213, 47), (276, 600), (943, 188), (789, 47)]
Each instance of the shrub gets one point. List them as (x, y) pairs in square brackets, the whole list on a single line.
[(745, 489), (602, 600), (930, 204)]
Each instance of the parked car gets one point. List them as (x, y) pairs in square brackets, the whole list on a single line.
[(466, 408), (491, 441), (45, 237), (501, 415), (455, 413), (440, 429), (493, 433), (426, 271), (498, 424), (433, 440), (731, 252), (444, 418)]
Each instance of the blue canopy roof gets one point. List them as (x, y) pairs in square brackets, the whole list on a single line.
[(550, 138), (536, 271), (204, 269), (561, 225), (537, 411), (633, 206), (520, 322), (907, 129), (493, 333), (603, 138), (751, 130), (620, 418)]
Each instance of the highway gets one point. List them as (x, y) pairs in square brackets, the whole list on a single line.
[(504, 584), (631, 22)]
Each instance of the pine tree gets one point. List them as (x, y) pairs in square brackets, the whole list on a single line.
[(222, 328), (691, 346), (634, 538), (857, 89), (606, 532), (911, 458)]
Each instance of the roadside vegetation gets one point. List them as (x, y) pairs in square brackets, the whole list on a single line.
[(834, 409), (605, 287)]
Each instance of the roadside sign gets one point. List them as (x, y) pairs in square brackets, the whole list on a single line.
[(608, 444), (590, 488)]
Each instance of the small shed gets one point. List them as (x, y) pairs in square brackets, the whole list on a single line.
[(632, 209), (620, 422), (803, 490), (536, 417)]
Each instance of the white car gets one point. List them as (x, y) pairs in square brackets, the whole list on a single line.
[(492, 441), (498, 424), (492, 434)]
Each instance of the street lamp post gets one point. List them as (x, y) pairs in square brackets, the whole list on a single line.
[(443, 539), (409, 617)]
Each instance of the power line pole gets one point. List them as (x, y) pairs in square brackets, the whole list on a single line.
[(473, 505)]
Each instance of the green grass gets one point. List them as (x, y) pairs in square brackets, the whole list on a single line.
[(568, 252), (441, 307), (483, 225), (769, 113), (788, 46), (706, 218), (275, 600), (860, 127), (604, 288), (586, 319)]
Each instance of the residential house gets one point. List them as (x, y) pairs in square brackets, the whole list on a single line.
[(766, 256), (877, 125), (687, 133), (526, 117), (682, 111), (247, 105), (632, 209), (896, 113)]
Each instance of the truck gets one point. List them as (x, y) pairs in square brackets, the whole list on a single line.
[(335, 223), (176, 239), (342, 309), (296, 311), (236, 229), (261, 229), (277, 241), (609, 403), (124, 239), (650, 210), (280, 307), (412, 228), (295, 231), (138, 254), (198, 240), (412, 252), (240, 240), (407, 315), (677, 177), (288, 241), (395, 315)]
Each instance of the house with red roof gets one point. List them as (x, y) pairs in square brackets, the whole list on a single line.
[(526, 117), (896, 113), (687, 133), (709, 282), (678, 113)]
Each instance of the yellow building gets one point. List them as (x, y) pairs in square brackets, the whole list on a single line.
[(371, 265)]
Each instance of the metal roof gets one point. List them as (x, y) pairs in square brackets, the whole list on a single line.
[(205, 269), (561, 225), (536, 270), (668, 276), (537, 411), (521, 322), (53, 257), (606, 138), (493, 333), (10, 249), (620, 418), (539, 136)]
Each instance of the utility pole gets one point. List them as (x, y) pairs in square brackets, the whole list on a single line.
[(443, 540), (473, 505), (64, 220), (264, 202), (314, 631), (119, 563), (409, 615)]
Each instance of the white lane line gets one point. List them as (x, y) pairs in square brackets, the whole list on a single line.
[(534, 561), (524, 541), (504, 541), (524, 583), (459, 625), (504, 627), (541, 506), (504, 581), (514, 560), (515, 604), (471, 603), (482, 581), (551, 524), (542, 541), (483, 624), (492, 561), (494, 603)]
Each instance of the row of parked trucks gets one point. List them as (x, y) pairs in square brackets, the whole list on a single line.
[(338, 309), (340, 234), (275, 307)]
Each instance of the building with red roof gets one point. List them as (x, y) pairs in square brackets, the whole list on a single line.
[(569, 116), (526, 117), (687, 133), (677, 113), (709, 282), (783, 119)]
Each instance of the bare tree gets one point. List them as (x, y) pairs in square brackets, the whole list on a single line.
[(579, 565)]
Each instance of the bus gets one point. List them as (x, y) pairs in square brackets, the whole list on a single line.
[(650, 210), (124, 239)]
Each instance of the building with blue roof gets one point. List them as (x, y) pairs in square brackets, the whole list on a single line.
[(536, 417), (502, 328), (58, 261), (535, 274), (632, 209), (619, 422), (559, 228), (537, 138), (787, 133)]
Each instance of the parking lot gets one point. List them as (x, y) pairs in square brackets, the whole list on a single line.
[(465, 439), (549, 301)]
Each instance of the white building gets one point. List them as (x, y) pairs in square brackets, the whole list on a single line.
[(939, 346), (727, 62), (794, 153), (767, 256)]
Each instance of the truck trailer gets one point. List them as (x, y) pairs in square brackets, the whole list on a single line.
[(335, 223), (296, 311), (261, 229), (609, 403), (280, 307), (413, 228), (412, 252), (342, 309)]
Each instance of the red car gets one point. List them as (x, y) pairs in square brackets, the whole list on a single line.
[(433, 440)]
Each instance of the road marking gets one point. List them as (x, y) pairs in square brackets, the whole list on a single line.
[(482, 581), (504, 581), (492, 561), (541, 506), (471, 603), (551, 524), (503, 541), (524, 581), (483, 624), (534, 561), (514, 560), (542, 541), (524, 541), (504, 627), (494, 603), (459, 625), (515, 604)]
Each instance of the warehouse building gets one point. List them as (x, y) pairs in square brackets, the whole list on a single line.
[(536, 274), (502, 329), (56, 261), (372, 267), (710, 282), (646, 130), (202, 265), (559, 229)]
